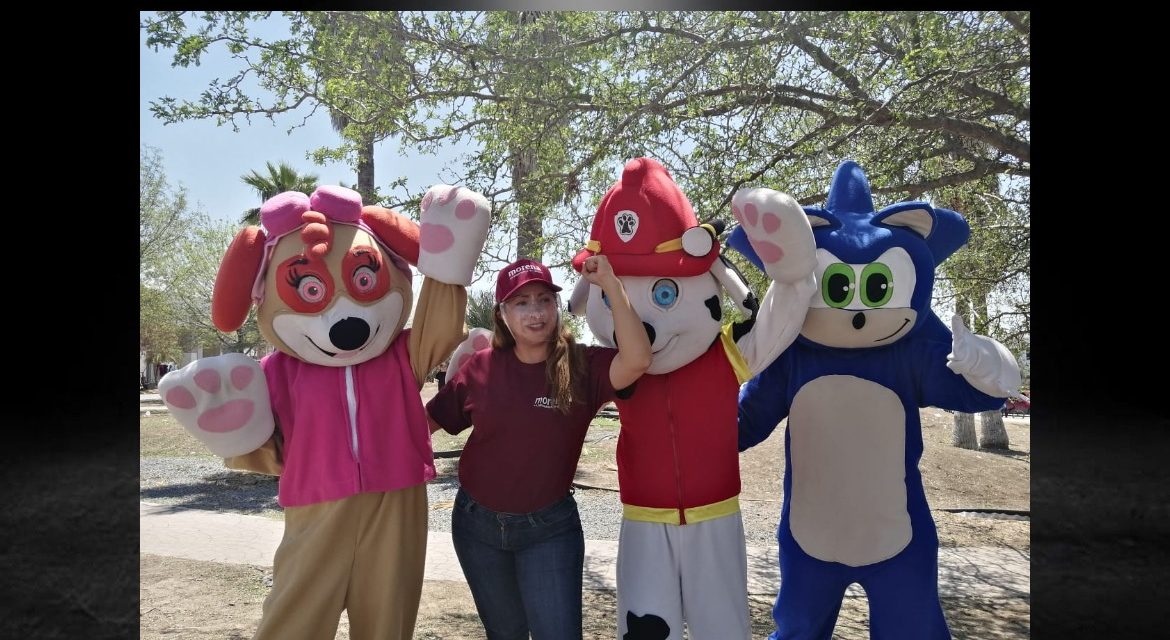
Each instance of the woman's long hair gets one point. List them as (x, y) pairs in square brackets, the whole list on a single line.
[(565, 367)]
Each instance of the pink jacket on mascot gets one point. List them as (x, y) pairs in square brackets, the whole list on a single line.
[(335, 411)]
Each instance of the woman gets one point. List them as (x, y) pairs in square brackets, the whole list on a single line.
[(515, 525)]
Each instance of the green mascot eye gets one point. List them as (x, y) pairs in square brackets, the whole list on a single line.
[(837, 285), (877, 284)]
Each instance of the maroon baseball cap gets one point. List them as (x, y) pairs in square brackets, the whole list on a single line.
[(520, 273)]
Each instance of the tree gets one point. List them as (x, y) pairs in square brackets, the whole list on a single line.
[(158, 333), (197, 264), (480, 309), (334, 44), (987, 282), (546, 107), (963, 434), (725, 99), (163, 216), (280, 178)]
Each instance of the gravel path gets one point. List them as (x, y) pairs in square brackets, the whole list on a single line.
[(204, 483)]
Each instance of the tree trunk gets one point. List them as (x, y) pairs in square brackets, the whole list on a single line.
[(365, 171), (964, 433), (529, 227), (530, 222), (992, 433)]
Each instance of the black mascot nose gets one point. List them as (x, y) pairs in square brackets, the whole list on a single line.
[(649, 333), (349, 334), (859, 320)]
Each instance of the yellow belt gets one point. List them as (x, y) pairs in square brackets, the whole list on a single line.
[(693, 514)]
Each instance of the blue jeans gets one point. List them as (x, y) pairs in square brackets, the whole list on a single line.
[(524, 570)]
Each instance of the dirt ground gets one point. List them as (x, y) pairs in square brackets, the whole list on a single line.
[(197, 600), (206, 600), (954, 478)]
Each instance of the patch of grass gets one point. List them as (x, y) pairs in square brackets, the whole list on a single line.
[(610, 424), (160, 435), (443, 441), (600, 442)]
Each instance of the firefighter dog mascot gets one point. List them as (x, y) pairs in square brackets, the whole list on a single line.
[(681, 554)]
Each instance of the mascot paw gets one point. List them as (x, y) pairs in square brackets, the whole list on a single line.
[(779, 232), (222, 401), (477, 340), (453, 228)]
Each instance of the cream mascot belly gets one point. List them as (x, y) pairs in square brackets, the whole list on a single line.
[(848, 471)]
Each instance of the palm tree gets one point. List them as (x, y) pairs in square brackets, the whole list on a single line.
[(279, 179), (480, 308)]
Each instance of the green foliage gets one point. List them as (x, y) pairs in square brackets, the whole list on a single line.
[(180, 251), (546, 106), (158, 333), (480, 305), (198, 260), (163, 216)]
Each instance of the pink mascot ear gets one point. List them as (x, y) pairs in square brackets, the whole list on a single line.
[(395, 230), (232, 296)]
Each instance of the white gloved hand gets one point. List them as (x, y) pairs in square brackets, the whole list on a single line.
[(477, 339), (984, 363), (779, 231), (453, 227), (222, 401)]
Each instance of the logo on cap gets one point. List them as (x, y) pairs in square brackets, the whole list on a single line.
[(626, 224), (512, 273)]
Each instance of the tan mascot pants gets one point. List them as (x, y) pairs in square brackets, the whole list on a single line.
[(364, 554)]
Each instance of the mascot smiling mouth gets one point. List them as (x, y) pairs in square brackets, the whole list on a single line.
[(668, 345), (904, 323)]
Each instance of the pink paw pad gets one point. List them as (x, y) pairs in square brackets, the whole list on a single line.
[(771, 222), (208, 380), (768, 252), (241, 376), (230, 416), (426, 201), (435, 238), (750, 213), (465, 210), (463, 359), (181, 398), (480, 342)]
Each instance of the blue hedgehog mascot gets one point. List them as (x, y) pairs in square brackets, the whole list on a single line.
[(870, 353)]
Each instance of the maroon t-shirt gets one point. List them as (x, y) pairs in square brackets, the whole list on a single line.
[(522, 454)]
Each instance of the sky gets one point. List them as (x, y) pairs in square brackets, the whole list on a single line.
[(209, 160)]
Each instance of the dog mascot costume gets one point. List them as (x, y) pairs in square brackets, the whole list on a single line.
[(336, 412), (871, 352), (681, 553)]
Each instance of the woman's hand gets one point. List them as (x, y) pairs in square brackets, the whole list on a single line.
[(597, 270)]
